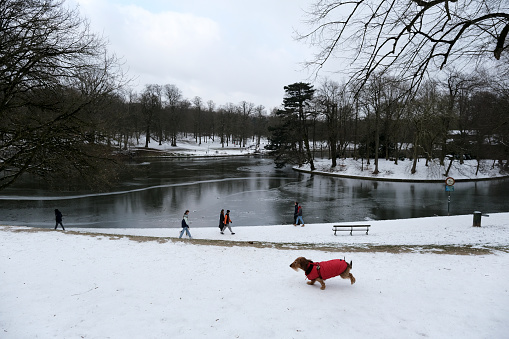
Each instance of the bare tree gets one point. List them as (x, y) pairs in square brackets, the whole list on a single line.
[(260, 124), (150, 107), (328, 98), (197, 102), (211, 107), (173, 95), (53, 71), (406, 38), (246, 110)]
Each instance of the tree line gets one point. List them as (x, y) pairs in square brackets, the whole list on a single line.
[(463, 116), (161, 114)]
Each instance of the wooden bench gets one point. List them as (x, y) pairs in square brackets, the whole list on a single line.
[(350, 228)]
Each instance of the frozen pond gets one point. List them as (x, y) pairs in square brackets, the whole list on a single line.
[(254, 191)]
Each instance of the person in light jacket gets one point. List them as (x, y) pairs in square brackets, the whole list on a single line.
[(185, 225)]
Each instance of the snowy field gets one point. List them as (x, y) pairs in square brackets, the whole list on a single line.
[(419, 278)]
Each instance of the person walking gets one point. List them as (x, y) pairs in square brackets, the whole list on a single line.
[(227, 222), (299, 216), (185, 225), (221, 221), (58, 219), (295, 212)]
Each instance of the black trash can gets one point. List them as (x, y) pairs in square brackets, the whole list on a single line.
[(477, 219)]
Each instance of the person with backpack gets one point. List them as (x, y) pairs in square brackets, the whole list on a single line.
[(221, 221), (227, 222), (185, 225)]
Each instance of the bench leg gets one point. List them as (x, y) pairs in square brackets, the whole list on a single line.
[(367, 230), (351, 230)]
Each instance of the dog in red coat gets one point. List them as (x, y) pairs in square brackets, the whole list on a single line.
[(321, 271)]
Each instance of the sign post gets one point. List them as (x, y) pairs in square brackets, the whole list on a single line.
[(449, 187)]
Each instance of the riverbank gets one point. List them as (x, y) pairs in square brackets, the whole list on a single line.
[(188, 147), (346, 168), (389, 171), (413, 280)]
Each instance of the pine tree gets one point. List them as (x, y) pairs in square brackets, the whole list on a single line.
[(289, 141)]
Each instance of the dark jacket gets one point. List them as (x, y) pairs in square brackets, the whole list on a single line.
[(221, 220), (58, 216)]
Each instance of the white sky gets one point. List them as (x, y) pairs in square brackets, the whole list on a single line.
[(221, 50)]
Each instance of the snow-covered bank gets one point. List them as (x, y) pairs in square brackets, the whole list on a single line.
[(389, 171), (207, 148), (67, 285), (346, 167)]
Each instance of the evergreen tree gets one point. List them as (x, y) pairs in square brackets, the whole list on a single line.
[(289, 141)]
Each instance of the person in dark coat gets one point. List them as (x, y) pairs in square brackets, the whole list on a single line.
[(221, 221), (58, 219), (295, 213), (227, 222)]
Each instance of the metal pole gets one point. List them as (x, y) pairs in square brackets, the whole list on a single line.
[(448, 202)]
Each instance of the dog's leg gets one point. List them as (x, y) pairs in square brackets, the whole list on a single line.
[(312, 282), (321, 282), (347, 275)]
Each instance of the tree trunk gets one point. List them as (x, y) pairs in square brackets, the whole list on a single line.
[(147, 136), (377, 143), (449, 167), (414, 165)]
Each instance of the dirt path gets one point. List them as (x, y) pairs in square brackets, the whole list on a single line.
[(436, 249)]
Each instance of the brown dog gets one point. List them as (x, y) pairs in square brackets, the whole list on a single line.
[(321, 271)]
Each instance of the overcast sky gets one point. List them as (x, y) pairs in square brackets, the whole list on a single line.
[(220, 50)]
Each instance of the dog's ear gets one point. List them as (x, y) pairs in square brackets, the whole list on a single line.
[(350, 265), (304, 263)]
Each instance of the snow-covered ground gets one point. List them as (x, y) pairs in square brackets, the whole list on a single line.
[(431, 277), (435, 277)]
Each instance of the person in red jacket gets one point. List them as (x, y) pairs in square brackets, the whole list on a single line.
[(299, 217)]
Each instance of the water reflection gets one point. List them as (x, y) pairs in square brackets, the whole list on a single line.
[(255, 192)]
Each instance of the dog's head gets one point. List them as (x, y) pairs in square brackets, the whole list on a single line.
[(301, 263)]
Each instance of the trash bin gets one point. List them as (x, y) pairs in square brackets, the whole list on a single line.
[(477, 219)]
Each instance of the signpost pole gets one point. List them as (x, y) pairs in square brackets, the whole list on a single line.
[(449, 187), (448, 202)]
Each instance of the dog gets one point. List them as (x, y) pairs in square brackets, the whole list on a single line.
[(321, 271)]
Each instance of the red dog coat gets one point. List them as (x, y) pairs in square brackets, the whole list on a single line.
[(326, 269)]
